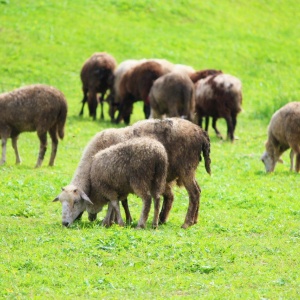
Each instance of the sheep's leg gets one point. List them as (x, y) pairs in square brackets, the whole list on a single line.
[(156, 201), (145, 212), (84, 100), (108, 220), (229, 128), (147, 110), (214, 126), (297, 169), (3, 142), (197, 209), (14, 141), (53, 135), (101, 100), (43, 147), (167, 204), (292, 160), (92, 101), (200, 119), (194, 201), (115, 205), (206, 123), (127, 212)]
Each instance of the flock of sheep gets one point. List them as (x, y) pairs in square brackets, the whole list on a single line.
[(149, 157)]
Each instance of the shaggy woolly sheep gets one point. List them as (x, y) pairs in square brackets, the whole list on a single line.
[(97, 77), (136, 166), (39, 108), (173, 95), (283, 133), (219, 96), (177, 135), (135, 85)]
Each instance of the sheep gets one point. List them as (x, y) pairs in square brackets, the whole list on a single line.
[(219, 96), (183, 69), (96, 77), (135, 85), (197, 75), (283, 133), (37, 107), (137, 166), (172, 94), (113, 98), (177, 135)]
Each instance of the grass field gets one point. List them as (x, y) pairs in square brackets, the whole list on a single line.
[(246, 244)]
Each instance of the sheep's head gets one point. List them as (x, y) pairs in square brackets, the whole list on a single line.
[(74, 202), (268, 161)]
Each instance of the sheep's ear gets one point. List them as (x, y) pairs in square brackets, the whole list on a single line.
[(280, 160), (84, 196), (56, 199)]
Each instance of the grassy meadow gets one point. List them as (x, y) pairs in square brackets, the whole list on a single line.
[(246, 243)]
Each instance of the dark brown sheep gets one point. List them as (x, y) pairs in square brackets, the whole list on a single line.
[(39, 108), (135, 85), (97, 76), (203, 74), (173, 95), (219, 96)]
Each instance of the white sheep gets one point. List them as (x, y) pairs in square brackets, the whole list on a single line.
[(283, 133)]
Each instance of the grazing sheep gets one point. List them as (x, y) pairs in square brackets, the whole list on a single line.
[(135, 85), (97, 77), (81, 180), (39, 108), (173, 95), (176, 135), (136, 166), (183, 69), (219, 96), (283, 133)]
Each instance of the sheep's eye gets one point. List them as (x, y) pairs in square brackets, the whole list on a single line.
[(75, 191)]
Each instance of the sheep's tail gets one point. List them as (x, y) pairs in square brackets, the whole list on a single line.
[(159, 181), (61, 120), (206, 151)]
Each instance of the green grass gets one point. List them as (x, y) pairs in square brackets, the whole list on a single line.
[(246, 244)]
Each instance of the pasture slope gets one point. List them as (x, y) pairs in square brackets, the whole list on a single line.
[(246, 244)]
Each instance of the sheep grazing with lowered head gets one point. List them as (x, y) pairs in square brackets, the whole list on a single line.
[(173, 95), (39, 108), (135, 85), (176, 135), (136, 166), (219, 96), (283, 133), (97, 76)]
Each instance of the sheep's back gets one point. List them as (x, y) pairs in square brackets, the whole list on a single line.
[(27, 108)]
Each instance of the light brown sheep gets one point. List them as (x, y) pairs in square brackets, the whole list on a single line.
[(39, 108), (176, 135), (283, 133), (97, 76), (173, 95)]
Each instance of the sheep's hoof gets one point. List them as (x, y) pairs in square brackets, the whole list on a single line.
[(139, 227), (106, 223), (155, 226), (186, 225)]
